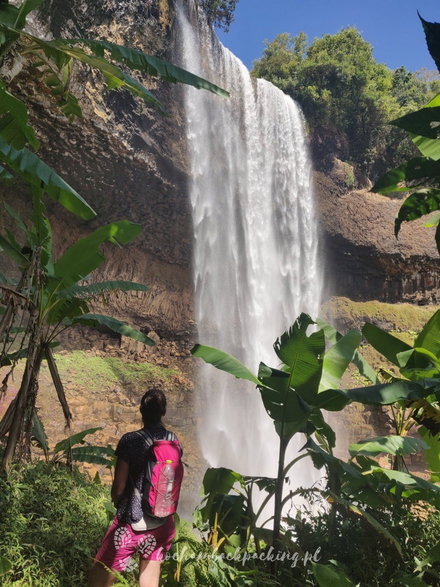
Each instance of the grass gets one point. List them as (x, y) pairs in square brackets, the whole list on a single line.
[(406, 318), (96, 372)]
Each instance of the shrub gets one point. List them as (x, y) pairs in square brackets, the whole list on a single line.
[(52, 520)]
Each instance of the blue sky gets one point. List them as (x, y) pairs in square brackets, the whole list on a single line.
[(391, 26)]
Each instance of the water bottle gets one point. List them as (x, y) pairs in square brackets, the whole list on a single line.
[(164, 501)]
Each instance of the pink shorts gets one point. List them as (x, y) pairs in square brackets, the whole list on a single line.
[(121, 543)]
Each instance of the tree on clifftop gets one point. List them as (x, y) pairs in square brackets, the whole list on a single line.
[(347, 97), (220, 13)]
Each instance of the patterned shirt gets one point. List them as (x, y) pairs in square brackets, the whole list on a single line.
[(133, 449)]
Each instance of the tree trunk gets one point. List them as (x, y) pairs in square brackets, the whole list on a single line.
[(24, 403), (278, 499)]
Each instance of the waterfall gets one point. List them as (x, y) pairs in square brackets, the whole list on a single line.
[(255, 241)]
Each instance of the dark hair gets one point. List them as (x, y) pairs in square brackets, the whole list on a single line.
[(153, 407)]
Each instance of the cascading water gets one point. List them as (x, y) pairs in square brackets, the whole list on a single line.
[(255, 241)]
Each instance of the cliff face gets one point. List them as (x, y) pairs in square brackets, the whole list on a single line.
[(363, 259)]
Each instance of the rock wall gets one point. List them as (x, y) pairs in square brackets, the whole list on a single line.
[(362, 257)]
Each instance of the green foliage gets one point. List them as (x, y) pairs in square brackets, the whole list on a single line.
[(366, 557), (345, 94), (220, 13), (51, 524)]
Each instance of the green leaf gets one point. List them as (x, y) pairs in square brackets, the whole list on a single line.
[(418, 204), (78, 438), (14, 127), (148, 64), (38, 433), (431, 33), (401, 178), (12, 251), (85, 256), (8, 14), (97, 289), (432, 452), (13, 214), (418, 487), (33, 171), (25, 8), (430, 148), (337, 359), (424, 122), (60, 51), (332, 400), (97, 455), (389, 346), (429, 337), (95, 320), (387, 393), (393, 445), (220, 480), (303, 355), (224, 362), (5, 565), (330, 576), (364, 368)]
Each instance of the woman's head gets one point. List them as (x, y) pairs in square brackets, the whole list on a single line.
[(153, 407)]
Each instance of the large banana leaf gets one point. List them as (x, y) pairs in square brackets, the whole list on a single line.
[(85, 256), (78, 438), (23, 10), (14, 127), (364, 368), (14, 252), (95, 320), (224, 362), (432, 39), (392, 445), (388, 393), (414, 487), (303, 355), (432, 452), (98, 455), (148, 64), (387, 344), (337, 359), (330, 576), (33, 171), (429, 337), (97, 289), (401, 178), (283, 404), (418, 204)]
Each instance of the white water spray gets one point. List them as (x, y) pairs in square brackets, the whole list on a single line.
[(255, 249)]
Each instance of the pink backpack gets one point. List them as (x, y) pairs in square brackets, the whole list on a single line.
[(161, 491)]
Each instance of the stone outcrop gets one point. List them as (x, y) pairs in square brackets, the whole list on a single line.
[(363, 259)]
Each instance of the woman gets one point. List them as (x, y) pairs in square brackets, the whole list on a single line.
[(133, 531)]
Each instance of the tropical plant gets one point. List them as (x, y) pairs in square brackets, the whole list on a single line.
[(421, 175), (295, 394), (67, 449), (419, 373), (49, 296)]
